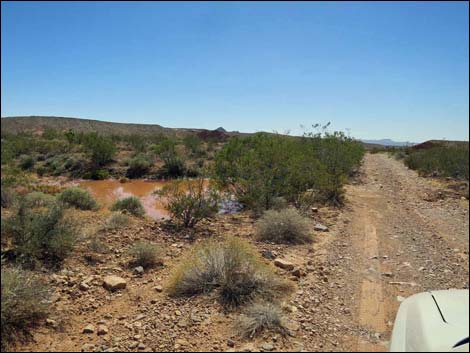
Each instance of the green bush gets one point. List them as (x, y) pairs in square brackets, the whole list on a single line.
[(146, 254), (138, 166), (446, 161), (129, 204), (166, 146), (24, 303), (339, 156), (78, 198), (97, 174), (45, 235), (41, 170), (8, 197), (193, 144), (38, 199), (100, 149), (232, 268), (259, 317), (173, 166), (138, 142), (188, 201), (284, 226), (263, 167), (26, 162)]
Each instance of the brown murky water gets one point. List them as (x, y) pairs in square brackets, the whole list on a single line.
[(108, 191)]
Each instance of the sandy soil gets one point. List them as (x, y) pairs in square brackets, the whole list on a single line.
[(387, 243)]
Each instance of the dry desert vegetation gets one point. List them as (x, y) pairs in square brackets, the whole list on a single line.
[(196, 240)]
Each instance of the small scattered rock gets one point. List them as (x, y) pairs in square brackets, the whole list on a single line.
[(141, 346), (268, 347), (297, 272), (102, 330), (89, 329), (284, 264), (88, 347), (320, 227), (113, 283), (139, 270)]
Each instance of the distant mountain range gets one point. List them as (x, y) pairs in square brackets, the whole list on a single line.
[(388, 142), (37, 125)]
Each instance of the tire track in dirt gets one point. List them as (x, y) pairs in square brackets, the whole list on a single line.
[(397, 250)]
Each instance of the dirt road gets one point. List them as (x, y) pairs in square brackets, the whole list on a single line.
[(392, 244)]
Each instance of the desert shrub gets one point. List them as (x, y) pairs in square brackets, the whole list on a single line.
[(138, 166), (38, 199), (117, 220), (137, 142), (188, 201), (41, 170), (15, 145), (279, 203), (193, 144), (263, 167), (400, 155), (173, 166), (45, 235), (284, 226), (145, 254), (8, 197), (97, 174), (259, 317), (26, 162), (100, 149), (78, 198), (231, 267), (24, 303), (339, 156), (129, 204), (166, 145), (447, 161), (74, 164), (255, 168)]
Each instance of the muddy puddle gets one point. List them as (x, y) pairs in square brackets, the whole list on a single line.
[(108, 191)]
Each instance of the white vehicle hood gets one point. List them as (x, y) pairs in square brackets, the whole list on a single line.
[(431, 322)]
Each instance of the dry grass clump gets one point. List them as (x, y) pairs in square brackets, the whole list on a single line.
[(8, 197), (98, 246), (116, 221), (233, 269), (146, 254), (24, 302), (259, 317), (284, 226)]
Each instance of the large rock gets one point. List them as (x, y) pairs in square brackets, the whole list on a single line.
[(113, 283), (284, 264)]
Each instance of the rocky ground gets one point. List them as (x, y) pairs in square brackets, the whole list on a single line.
[(393, 238)]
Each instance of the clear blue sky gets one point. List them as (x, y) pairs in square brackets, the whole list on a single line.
[(384, 70)]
